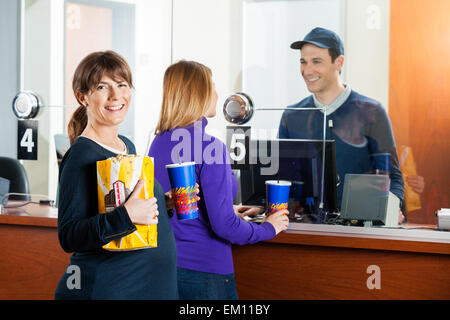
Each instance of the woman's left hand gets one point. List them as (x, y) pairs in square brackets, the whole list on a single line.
[(243, 211), (169, 201), (170, 205)]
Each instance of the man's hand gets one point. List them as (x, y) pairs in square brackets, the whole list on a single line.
[(401, 217), (417, 183)]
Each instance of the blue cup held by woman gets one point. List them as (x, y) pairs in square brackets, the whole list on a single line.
[(182, 181), (277, 195)]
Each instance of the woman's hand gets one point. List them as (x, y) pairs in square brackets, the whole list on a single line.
[(141, 211), (243, 211), (279, 220), (170, 204)]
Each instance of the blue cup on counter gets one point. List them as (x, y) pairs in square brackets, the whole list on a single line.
[(381, 162), (297, 192), (277, 195), (182, 181)]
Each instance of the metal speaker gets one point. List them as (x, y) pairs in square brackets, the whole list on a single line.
[(238, 108), (26, 105)]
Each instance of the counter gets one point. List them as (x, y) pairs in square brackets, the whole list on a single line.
[(31, 259), (311, 261), (306, 262)]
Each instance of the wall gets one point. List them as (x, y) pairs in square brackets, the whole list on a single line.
[(367, 48), (419, 95), (43, 65), (153, 52), (210, 32), (271, 69), (216, 34), (10, 69)]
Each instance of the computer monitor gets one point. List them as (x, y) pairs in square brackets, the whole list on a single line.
[(367, 197), (298, 160), (4, 188)]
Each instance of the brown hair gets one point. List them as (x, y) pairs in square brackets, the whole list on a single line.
[(333, 54), (87, 76), (187, 94)]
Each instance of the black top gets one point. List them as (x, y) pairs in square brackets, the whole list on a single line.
[(139, 274)]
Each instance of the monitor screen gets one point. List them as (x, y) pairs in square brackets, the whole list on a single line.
[(295, 160), (366, 198)]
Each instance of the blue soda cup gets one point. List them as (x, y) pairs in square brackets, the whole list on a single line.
[(381, 163), (297, 191), (182, 181), (297, 188), (277, 195)]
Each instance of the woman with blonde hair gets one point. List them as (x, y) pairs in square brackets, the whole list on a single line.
[(102, 85), (205, 264)]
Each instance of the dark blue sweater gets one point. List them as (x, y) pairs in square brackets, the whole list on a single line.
[(349, 159), (140, 274)]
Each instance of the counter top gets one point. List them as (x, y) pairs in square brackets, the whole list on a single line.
[(408, 238), (31, 214)]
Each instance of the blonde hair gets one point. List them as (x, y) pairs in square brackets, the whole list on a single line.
[(87, 76), (187, 95)]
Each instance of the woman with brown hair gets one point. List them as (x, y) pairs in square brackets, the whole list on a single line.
[(205, 263), (102, 85)]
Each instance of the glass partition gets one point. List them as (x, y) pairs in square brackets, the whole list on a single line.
[(56, 35), (246, 45)]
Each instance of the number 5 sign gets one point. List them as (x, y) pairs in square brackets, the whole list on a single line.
[(27, 139), (238, 140)]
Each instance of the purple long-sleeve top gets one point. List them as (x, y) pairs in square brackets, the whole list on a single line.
[(204, 244)]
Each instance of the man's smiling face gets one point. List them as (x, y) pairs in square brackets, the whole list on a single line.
[(318, 71)]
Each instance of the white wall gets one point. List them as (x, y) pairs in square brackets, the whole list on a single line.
[(210, 32), (271, 69), (367, 48), (43, 65), (153, 44), (10, 79)]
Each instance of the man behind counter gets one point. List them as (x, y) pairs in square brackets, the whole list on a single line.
[(359, 125)]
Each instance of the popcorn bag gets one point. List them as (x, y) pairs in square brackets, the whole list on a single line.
[(408, 168), (116, 179)]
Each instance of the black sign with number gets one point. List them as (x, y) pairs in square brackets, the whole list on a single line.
[(27, 139), (238, 141)]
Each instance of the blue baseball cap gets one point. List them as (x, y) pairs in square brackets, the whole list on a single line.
[(322, 38)]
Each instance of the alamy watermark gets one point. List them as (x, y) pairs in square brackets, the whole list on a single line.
[(374, 280), (211, 151), (74, 280)]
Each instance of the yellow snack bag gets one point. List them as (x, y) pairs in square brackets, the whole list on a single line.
[(408, 168), (116, 179)]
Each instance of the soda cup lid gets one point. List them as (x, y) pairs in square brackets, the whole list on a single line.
[(280, 182), (183, 164)]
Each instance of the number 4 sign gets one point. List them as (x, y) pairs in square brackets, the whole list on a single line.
[(27, 138)]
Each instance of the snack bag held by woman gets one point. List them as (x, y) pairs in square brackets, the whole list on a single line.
[(116, 179)]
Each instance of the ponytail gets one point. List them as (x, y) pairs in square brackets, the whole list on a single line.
[(77, 123)]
